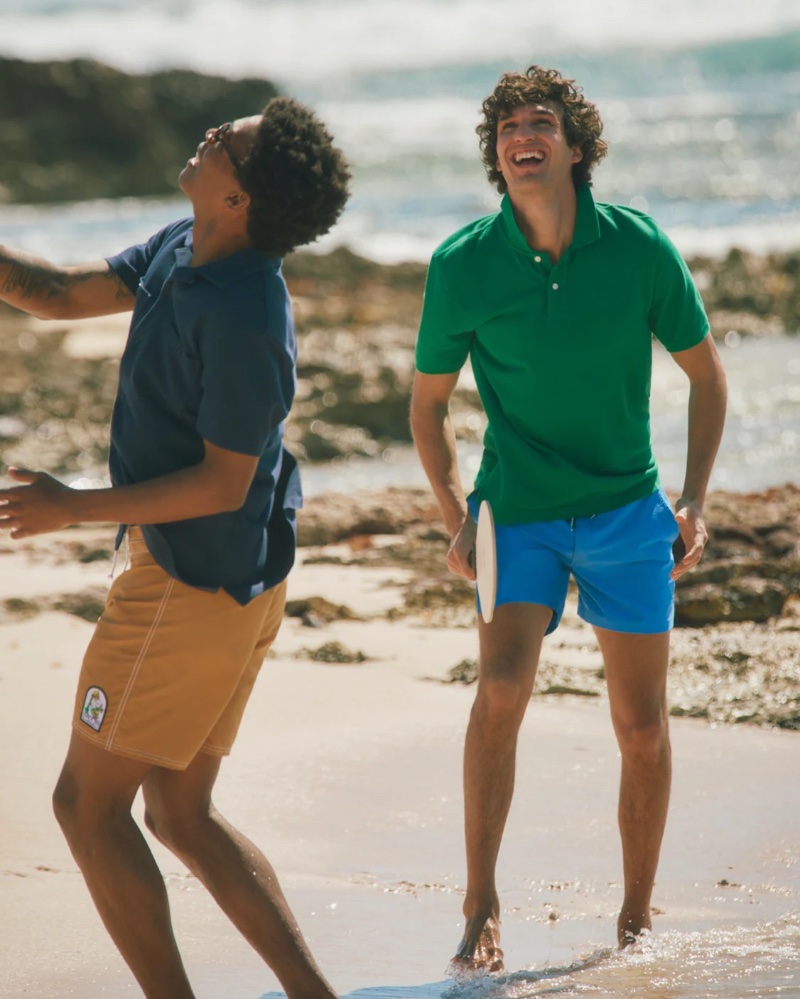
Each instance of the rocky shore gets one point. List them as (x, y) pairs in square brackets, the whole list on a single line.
[(78, 130), (735, 651), (736, 648), (358, 320), (357, 323), (738, 615)]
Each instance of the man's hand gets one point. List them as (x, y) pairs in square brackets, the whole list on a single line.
[(461, 556), (693, 537), (36, 507)]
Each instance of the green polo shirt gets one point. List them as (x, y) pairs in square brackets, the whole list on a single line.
[(561, 354)]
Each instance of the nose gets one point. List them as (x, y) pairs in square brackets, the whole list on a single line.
[(208, 139)]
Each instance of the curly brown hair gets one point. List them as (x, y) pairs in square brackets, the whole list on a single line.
[(298, 181), (582, 123)]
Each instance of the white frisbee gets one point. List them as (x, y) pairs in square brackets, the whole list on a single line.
[(486, 561)]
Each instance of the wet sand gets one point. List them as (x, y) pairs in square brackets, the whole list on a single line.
[(348, 776)]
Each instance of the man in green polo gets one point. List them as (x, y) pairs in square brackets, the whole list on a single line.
[(555, 300)]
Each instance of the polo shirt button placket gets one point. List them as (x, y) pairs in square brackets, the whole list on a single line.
[(555, 294)]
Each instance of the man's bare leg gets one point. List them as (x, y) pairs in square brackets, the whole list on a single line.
[(179, 811), (636, 672), (509, 654), (92, 802)]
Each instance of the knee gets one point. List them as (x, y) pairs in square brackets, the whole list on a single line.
[(153, 825), (66, 802), (501, 702), (173, 826), (82, 813), (159, 822), (644, 742)]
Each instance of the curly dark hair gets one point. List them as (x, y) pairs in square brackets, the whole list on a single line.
[(582, 123), (298, 181)]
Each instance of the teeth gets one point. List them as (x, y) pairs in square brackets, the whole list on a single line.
[(520, 157)]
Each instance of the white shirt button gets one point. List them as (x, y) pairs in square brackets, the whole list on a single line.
[(555, 287), (538, 260)]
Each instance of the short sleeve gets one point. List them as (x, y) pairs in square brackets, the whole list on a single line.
[(677, 317), (247, 377), (444, 339), (132, 264)]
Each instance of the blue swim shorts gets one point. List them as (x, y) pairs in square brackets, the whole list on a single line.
[(621, 561)]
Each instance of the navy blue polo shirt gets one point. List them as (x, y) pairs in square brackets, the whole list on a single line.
[(210, 355)]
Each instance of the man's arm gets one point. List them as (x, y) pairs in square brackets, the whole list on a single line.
[(48, 291), (435, 440), (707, 402), (217, 484)]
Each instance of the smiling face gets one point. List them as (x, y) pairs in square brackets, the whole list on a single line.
[(532, 149)]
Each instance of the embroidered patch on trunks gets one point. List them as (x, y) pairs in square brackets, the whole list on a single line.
[(94, 708)]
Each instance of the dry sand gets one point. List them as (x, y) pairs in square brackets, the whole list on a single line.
[(348, 776)]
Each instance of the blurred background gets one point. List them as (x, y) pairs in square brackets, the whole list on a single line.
[(701, 103)]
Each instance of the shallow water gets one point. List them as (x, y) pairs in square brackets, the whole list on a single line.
[(760, 447), (699, 103), (736, 963), (724, 964)]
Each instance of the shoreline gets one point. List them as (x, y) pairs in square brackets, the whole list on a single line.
[(356, 322), (142, 215), (347, 773), (356, 325), (376, 559)]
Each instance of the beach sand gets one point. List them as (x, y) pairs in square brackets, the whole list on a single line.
[(348, 776)]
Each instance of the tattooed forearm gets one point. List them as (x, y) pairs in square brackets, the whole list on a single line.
[(33, 280), (53, 292)]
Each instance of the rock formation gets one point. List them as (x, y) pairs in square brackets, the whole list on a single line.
[(80, 130)]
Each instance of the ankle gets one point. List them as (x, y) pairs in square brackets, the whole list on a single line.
[(482, 908)]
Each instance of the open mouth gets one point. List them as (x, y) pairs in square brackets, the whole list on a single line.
[(528, 156)]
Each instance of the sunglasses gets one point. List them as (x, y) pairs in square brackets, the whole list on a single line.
[(216, 136)]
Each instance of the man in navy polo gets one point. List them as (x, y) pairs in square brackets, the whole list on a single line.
[(205, 494)]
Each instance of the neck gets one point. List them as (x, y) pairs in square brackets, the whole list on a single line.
[(212, 240), (547, 219)]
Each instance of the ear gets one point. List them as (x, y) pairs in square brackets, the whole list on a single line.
[(577, 154), (238, 201)]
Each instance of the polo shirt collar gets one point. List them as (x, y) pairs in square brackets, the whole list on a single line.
[(587, 226), (512, 230), (221, 272)]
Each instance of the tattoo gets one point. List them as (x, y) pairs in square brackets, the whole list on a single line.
[(123, 291), (31, 280)]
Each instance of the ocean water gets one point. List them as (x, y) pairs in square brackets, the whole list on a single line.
[(702, 110), (759, 963), (701, 104), (760, 446)]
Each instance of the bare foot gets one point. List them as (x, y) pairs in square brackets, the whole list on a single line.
[(480, 948), (630, 927)]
